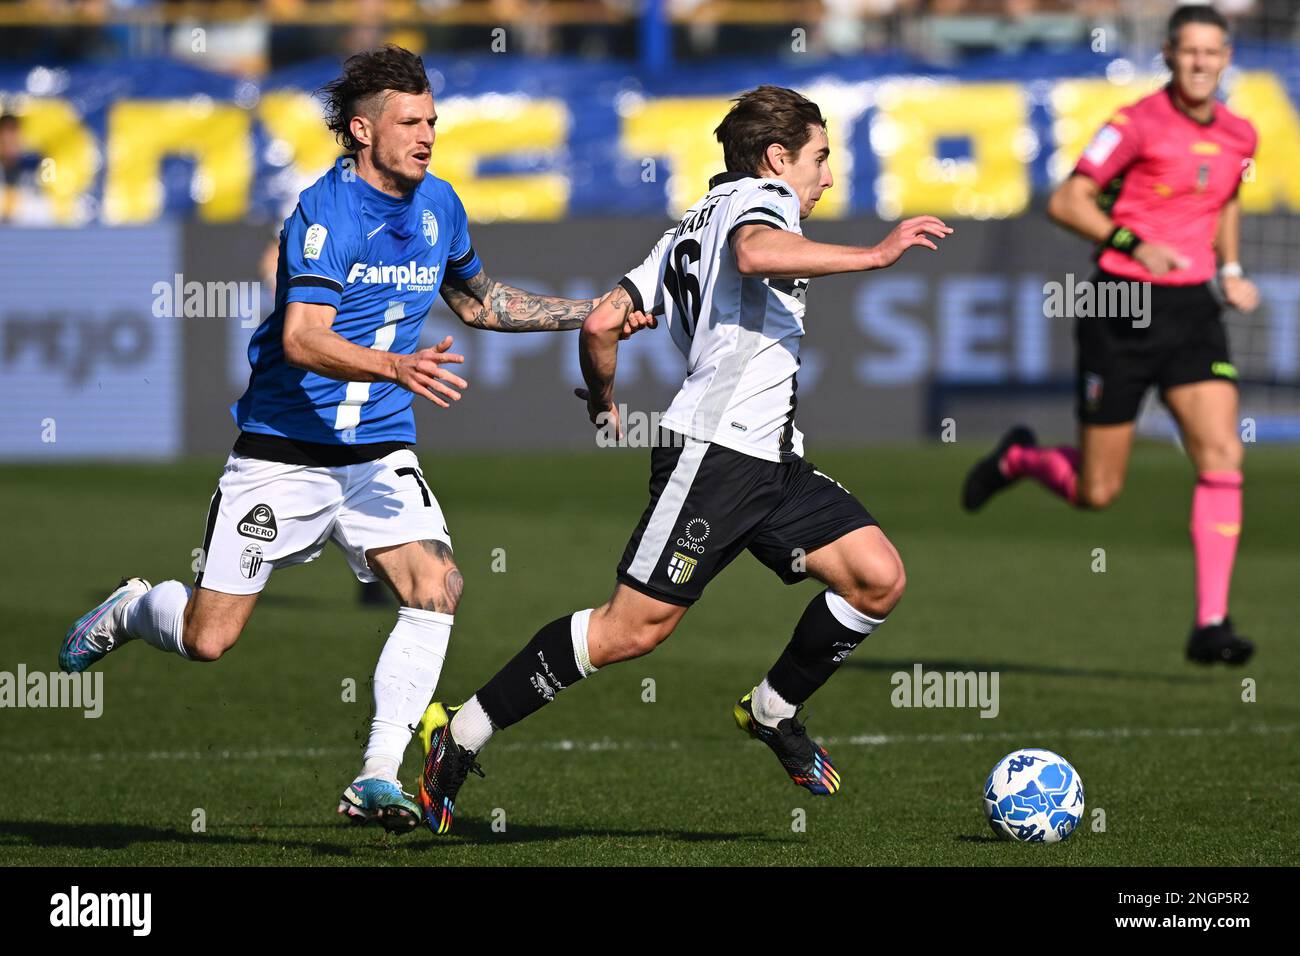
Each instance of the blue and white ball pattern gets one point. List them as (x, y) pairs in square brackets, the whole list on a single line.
[(1034, 796)]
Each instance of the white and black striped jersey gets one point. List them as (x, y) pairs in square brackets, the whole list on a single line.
[(740, 334)]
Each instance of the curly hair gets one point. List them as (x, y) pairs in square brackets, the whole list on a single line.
[(366, 76)]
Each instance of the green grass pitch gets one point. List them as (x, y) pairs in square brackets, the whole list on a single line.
[(262, 742)]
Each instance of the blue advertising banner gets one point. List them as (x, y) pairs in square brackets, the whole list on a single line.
[(132, 141), (86, 366)]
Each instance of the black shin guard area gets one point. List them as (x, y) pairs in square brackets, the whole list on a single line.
[(819, 645), (533, 677)]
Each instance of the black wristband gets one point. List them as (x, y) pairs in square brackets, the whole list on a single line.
[(1124, 240)]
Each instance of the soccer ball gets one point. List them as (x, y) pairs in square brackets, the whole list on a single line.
[(1033, 796)]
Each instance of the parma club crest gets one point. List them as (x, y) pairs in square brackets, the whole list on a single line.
[(680, 568)]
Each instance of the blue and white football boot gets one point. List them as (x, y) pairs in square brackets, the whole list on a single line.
[(382, 801), (99, 630)]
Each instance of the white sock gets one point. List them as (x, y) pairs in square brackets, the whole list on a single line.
[(471, 727), (405, 678), (849, 616), (769, 707), (578, 626), (157, 617)]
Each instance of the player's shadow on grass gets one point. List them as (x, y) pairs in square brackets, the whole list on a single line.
[(480, 832), (113, 836), (1041, 670), (122, 836)]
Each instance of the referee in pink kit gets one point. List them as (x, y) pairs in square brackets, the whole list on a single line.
[(1157, 190)]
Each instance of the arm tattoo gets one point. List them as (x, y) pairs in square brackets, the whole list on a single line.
[(487, 304), (621, 300)]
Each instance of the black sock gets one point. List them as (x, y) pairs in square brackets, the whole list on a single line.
[(819, 645), (532, 677)]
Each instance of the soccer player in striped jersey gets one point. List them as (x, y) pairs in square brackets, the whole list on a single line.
[(728, 474), (1157, 190), (326, 425)]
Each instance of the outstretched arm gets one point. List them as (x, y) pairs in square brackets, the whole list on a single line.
[(779, 254), (487, 304)]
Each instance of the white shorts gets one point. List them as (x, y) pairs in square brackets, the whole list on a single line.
[(267, 514)]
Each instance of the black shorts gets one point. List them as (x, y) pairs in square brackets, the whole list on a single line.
[(1183, 342), (708, 503)]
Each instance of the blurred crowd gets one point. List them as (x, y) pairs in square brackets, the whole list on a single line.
[(248, 37)]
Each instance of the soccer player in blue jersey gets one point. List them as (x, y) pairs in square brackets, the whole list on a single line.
[(326, 427)]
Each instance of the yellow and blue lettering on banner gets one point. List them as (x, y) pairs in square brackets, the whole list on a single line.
[(136, 142)]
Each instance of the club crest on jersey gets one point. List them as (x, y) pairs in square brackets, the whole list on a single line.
[(680, 568), (250, 561), (259, 523), (429, 223)]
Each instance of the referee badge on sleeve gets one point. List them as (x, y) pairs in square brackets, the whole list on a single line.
[(1102, 145), (680, 568)]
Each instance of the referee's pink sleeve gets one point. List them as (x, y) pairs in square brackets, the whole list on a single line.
[(1115, 147)]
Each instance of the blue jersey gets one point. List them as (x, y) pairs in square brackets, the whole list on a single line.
[(379, 261)]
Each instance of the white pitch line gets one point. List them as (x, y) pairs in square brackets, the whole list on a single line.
[(102, 756), (1027, 737), (1106, 733)]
